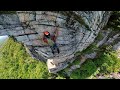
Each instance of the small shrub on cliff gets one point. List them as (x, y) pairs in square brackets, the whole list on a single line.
[(114, 21), (90, 49), (86, 70)]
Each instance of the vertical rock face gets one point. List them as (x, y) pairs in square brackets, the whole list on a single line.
[(77, 30)]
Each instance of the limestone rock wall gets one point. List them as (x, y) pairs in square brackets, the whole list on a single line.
[(28, 26)]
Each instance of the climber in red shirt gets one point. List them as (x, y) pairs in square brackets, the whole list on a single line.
[(51, 40)]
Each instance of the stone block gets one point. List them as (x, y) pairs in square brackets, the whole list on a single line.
[(33, 36), (32, 17), (26, 17), (3, 32), (1, 27), (18, 28), (46, 22), (28, 42), (91, 55), (38, 17), (16, 33), (52, 13), (28, 31), (33, 22), (62, 42), (59, 38), (116, 47), (38, 12), (51, 18), (21, 17), (22, 38), (36, 43), (60, 20), (64, 48)]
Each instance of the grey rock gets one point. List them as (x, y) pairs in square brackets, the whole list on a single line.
[(110, 40), (91, 55), (116, 47), (28, 31), (1, 27), (33, 36), (38, 12), (22, 38), (9, 20), (3, 32), (75, 67), (16, 33), (73, 36), (19, 28), (103, 40)]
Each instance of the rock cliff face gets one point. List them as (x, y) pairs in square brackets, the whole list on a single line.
[(77, 30)]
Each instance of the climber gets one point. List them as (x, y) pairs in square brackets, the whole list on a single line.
[(51, 40)]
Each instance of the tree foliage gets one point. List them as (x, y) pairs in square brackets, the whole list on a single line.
[(15, 63), (106, 63), (114, 21)]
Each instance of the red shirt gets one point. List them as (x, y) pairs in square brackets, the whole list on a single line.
[(52, 38)]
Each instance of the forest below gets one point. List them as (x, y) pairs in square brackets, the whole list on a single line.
[(15, 63)]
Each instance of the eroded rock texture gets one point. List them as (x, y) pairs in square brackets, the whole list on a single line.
[(77, 30)]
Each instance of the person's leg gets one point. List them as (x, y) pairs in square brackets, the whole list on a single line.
[(52, 49), (58, 50), (55, 46)]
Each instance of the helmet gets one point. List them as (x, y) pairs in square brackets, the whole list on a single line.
[(46, 33)]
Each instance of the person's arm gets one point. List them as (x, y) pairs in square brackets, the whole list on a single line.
[(56, 32), (55, 35), (42, 40)]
